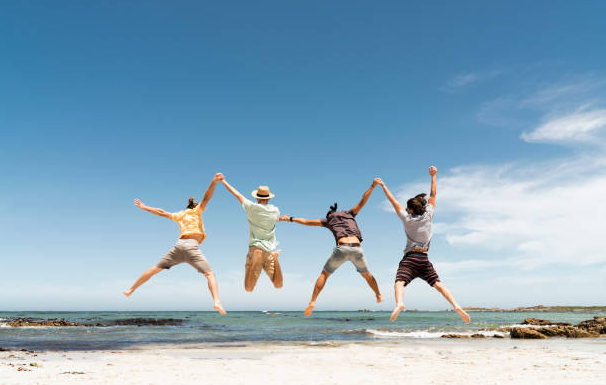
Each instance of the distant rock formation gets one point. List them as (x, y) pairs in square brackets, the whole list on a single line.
[(25, 322)]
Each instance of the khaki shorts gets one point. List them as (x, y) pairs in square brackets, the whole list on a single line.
[(266, 262), (186, 250), (341, 254)]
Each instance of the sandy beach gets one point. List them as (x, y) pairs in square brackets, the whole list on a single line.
[(413, 362)]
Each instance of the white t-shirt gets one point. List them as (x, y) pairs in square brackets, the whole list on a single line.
[(417, 228)]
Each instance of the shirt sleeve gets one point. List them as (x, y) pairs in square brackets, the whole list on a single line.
[(429, 209), (352, 213), (403, 214), (176, 216), (198, 208), (246, 204), (323, 221)]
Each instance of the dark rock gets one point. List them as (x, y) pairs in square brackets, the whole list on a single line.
[(22, 322), (497, 336), (478, 335), (527, 333), (148, 321), (4, 349)]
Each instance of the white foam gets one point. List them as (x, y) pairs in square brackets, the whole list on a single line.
[(427, 334)]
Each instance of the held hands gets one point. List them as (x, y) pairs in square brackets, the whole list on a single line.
[(218, 177), (284, 218), (377, 181), (433, 171), (139, 204)]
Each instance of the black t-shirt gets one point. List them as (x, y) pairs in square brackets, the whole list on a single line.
[(342, 224)]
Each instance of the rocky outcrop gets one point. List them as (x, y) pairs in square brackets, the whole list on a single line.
[(527, 333), (25, 322), (596, 325), (541, 322), (587, 329), (566, 331), (147, 321), (21, 322)]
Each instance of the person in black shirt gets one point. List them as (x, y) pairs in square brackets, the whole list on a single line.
[(343, 226)]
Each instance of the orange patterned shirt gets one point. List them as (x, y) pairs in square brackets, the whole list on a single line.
[(190, 222)]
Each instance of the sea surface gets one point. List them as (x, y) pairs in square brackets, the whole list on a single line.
[(256, 326)]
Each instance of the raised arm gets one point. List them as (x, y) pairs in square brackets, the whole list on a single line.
[(432, 195), (232, 190), (396, 205), (210, 191), (301, 221), (153, 210), (364, 199)]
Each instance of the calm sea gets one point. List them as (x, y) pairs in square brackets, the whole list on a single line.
[(205, 327)]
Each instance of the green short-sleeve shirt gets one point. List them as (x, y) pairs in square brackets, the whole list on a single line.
[(262, 220)]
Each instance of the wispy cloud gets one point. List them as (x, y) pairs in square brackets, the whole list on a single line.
[(567, 112), (580, 126)]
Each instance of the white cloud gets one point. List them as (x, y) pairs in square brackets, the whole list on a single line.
[(531, 214), (579, 126)]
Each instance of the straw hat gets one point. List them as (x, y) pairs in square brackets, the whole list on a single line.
[(262, 193)]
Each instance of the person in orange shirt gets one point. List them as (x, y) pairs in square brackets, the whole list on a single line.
[(187, 248)]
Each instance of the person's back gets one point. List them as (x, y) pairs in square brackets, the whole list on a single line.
[(262, 220), (417, 229), (262, 253), (190, 222), (342, 224)]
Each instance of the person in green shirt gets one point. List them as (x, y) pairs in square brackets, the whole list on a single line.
[(262, 243)]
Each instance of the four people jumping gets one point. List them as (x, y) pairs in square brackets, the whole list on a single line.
[(263, 253)]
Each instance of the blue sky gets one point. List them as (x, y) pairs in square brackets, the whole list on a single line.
[(101, 103)]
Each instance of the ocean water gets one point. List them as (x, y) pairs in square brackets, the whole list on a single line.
[(250, 326)]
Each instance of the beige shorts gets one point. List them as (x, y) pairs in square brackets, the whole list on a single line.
[(186, 250), (266, 262)]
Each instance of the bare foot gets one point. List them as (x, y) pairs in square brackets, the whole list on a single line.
[(218, 307), (396, 312), (128, 292), (309, 309), (380, 298), (464, 316)]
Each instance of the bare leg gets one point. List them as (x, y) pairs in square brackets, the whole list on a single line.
[(250, 280), (372, 282), (399, 289), (214, 291), (142, 279), (446, 293), (317, 289), (277, 279)]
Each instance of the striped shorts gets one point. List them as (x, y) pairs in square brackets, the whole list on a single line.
[(415, 265)]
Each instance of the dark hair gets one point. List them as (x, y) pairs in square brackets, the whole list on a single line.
[(191, 204), (333, 208), (417, 204)]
